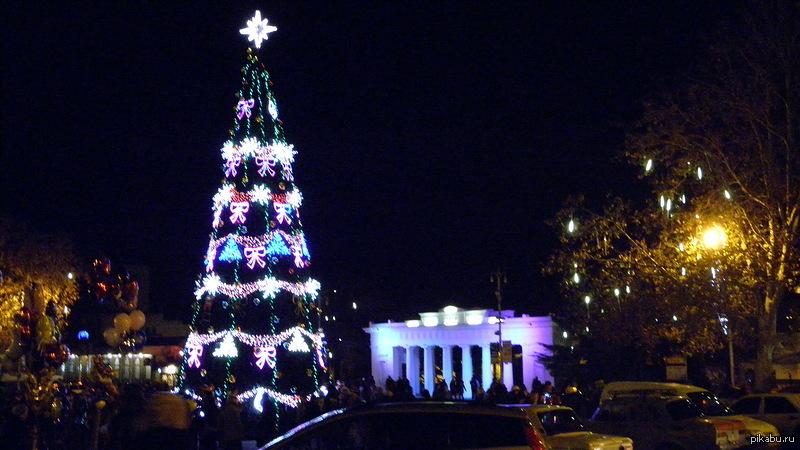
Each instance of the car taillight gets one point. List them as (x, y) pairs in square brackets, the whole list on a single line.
[(535, 441)]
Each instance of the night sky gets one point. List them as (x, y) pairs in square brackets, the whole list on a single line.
[(435, 138)]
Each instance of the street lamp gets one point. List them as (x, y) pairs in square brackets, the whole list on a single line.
[(588, 300), (715, 238)]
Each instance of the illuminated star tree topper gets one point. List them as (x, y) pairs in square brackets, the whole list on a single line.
[(257, 29)]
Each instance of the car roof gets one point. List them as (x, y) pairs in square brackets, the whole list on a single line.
[(636, 397), (536, 408), (632, 385), (792, 395), (617, 387), (401, 407)]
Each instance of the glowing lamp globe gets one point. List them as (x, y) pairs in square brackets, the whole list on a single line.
[(714, 237)]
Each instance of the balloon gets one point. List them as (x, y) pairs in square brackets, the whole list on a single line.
[(137, 320), (111, 336), (130, 293), (100, 290), (55, 354), (115, 291), (122, 322), (102, 266)]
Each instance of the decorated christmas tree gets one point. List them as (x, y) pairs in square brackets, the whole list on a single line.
[(254, 327)]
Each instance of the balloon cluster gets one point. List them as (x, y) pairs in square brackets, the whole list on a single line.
[(36, 339), (127, 331), (119, 288)]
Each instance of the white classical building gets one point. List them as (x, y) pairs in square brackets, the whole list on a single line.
[(460, 342)]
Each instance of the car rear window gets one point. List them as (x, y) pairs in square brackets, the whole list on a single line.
[(683, 409), (778, 405), (560, 421), (708, 403)]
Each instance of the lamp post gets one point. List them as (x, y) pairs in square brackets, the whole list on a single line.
[(715, 238), (499, 277)]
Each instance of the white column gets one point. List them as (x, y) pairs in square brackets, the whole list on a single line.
[(466, 369), (447, 363), (528, 365), (429, 369), (508, 375), (486, 366), (397, 365), (412, 368)]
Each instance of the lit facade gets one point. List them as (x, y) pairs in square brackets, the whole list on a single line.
[(426, 344)]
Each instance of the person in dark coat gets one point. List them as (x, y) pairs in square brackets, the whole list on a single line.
[(229, 424)]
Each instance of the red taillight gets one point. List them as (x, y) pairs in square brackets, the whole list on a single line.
[(535, 441)]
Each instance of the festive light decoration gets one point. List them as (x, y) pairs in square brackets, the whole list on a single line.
[(258, 401), (253, 340), (265, 355), (255, 256), (288, 400), (256, 220), (298, 258), (195, 352), (571, 226), (298, 344), (268, 285), (320, 358), (227, 348), (648, 166), (238, 210), (260, 194), (277, 246), (230, 252), (273, 109), (283, 210), (257, 29), (243, 108), (266, 165), (231, 166)]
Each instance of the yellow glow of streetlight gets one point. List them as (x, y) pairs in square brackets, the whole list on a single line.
[(715, 237)]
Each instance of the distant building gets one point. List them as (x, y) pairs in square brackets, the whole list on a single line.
[(464, 343)]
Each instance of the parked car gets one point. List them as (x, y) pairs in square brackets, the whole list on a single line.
[(781, 410), (419, 425), (704, 399), (661, 423), (564, 430)]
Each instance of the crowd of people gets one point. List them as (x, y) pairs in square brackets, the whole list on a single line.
[(96, 416)]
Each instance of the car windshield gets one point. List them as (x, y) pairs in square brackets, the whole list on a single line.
[(560, 421), (709, 404), (682, 409)]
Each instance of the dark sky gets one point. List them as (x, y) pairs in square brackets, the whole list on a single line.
[(434, 138)]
